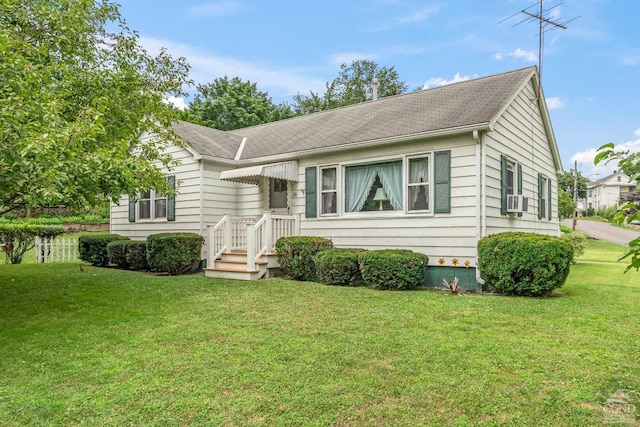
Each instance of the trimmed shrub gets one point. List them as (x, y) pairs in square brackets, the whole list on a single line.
[(296, 255), (16, 239), (174, 253), (528, 264), (117, 253), (136, 255), (398, 269), (578, 242), (92, 248), (339, 267)]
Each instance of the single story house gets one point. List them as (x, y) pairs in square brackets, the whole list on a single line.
[(432, 171), (609, 191)]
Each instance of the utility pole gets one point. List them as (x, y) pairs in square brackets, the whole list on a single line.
[(575, 194)]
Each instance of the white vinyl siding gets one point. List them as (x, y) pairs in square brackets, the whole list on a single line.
[(518, 134), (449, 235)]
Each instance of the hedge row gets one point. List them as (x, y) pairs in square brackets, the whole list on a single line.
[(513, 263), (173, 253), (314, 258)]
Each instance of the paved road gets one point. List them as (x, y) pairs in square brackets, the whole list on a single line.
[(604, 231)]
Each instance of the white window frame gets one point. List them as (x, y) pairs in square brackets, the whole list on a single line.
[(342, 194), (152, 200), (322, 191), (428, 183), (512, 168), (341, 186), (544, 181)]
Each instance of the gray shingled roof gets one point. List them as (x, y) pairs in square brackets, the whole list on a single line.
[(207, 141), (464, 104)]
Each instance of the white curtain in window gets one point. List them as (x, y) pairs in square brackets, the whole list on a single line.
[(419, 173), (391, 178), (358, 182), (329, 179), (418, 170)]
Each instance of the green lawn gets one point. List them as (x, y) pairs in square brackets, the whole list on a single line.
[(601, 251), (97, 346)]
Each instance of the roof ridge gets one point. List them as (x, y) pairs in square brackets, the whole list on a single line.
[(368, 102)]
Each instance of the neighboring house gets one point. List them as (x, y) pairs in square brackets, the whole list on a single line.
[(432, 171), (609, 191)]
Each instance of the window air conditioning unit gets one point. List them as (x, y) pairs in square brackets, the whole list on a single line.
[(517, 203)]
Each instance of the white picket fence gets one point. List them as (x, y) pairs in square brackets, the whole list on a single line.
[(60, 249)]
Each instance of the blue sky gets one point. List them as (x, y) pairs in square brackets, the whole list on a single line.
[(590, 71)]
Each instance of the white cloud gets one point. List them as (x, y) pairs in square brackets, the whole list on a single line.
[(439, 81), (205, 67), (219, 8), (519, 53), (554, 103), (176, 102), (415, 17), (588, 168)]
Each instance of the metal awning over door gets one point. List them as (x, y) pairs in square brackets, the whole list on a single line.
[(252, 174)]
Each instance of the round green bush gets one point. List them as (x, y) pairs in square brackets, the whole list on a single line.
[(339, 267), (398, 269), (296, 255), (92, 248), (527, 264), (136, 255), (174, 253), (117, 253), (577, 240)]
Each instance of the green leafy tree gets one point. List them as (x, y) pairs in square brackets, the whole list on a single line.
[(566, 182), (629, 163), (566, 206), (353, 85), (17, 239), (76, 92), (228, 104)]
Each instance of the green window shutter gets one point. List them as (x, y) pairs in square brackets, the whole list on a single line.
[(549, 198), (504, 177), (132, 208), (311, 199), (442, 182), (539, 196), (171, 199), (519, 183)]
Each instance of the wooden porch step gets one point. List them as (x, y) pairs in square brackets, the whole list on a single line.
[(233, 274), (233, 265)]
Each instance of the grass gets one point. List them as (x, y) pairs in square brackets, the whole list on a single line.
[(109, 347), (601, 251)]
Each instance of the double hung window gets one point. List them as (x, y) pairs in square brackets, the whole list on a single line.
[(153, 205), (329, 190), (418, 186), (409, 184)]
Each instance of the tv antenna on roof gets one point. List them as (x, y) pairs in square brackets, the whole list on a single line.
[(547, 21)]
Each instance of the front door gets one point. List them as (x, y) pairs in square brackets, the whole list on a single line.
[(278, 196)]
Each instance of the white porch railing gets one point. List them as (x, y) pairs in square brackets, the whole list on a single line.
[(256, 236), (59, 249)]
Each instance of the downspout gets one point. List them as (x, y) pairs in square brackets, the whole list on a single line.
[(203, 229), (480, 196)]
